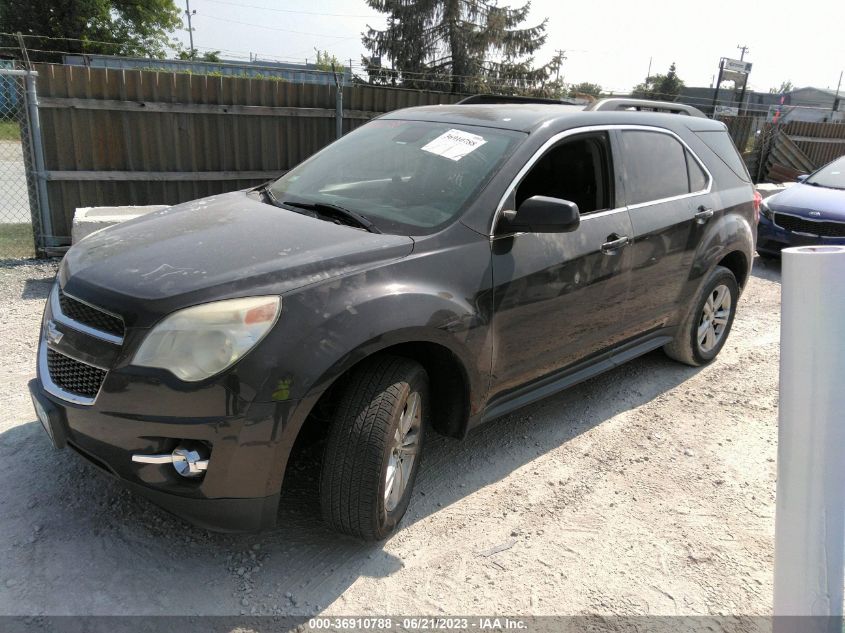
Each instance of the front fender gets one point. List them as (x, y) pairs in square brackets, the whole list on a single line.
[(345, 335), (333, 333)]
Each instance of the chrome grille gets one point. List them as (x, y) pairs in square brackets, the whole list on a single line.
[(813, 227), (90, 316), (74, 376)]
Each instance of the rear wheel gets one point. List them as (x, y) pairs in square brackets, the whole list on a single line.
[(373, 449), (705, 329)]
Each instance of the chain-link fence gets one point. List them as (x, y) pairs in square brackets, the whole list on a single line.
[(18, 202)]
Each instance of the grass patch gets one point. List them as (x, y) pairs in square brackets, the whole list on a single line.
[(9, 131), (16, 241)]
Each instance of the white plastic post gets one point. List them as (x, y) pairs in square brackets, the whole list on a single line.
[(810, 513)]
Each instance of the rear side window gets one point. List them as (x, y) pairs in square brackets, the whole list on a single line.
[(654, 166), (724, 148)]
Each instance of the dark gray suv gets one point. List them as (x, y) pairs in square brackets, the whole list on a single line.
[(434, 269)]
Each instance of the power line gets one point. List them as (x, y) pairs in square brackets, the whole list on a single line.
[(334, 15), (273, 28), (441, 81), (416, 77)]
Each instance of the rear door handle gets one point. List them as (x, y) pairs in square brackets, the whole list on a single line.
[(703, 215), (614, 244)]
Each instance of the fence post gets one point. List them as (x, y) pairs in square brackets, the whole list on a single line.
[(34, 125), (810, 513), (338, 104)]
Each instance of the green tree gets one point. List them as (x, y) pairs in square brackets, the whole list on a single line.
[(457, 45), (660, 87), (785, 86), (327, 61), (112, 27), (208, 56), (585, 88)]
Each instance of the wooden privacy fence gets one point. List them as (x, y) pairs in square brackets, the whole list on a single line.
[(786, 150), (742, 129), (133, 137)]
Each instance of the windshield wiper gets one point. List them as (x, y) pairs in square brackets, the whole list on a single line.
[(265, 189), (326, 208)]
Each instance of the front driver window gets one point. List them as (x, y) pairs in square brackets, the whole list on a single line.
[(578, 170)]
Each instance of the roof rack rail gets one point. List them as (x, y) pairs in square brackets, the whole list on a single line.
[(645, 105), (487, 98)]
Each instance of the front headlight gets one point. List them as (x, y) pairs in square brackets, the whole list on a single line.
[(765, 211), (198, 342)]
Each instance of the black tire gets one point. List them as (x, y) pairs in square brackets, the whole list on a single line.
[(685, 347), (361, 444), (768, 256)]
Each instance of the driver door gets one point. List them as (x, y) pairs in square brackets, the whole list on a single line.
[(560, 298)]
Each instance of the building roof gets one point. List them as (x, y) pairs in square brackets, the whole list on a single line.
[(831, 93)]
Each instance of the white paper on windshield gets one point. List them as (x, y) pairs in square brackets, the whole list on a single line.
[(454, 144)]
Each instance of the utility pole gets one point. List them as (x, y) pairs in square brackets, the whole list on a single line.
[(648, 74), (836, 98), (561, 56), (744, 50), (716, 87), (190, 13)]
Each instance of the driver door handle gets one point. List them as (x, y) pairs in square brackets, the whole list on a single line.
[(615, 243), (703, 214)]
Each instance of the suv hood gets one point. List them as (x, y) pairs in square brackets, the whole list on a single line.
[(802, 198), (215, 248)]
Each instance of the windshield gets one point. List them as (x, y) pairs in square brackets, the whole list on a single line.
[(406, 177), (832, 175)]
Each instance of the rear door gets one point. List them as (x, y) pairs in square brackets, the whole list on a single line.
[(666, 188), (560, 297)]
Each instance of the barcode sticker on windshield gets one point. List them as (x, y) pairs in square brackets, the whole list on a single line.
[(454, 144)]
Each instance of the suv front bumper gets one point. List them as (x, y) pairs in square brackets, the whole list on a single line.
[(239, 491), (772, 239)]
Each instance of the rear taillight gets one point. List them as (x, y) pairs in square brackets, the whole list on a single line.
[(758, 199)]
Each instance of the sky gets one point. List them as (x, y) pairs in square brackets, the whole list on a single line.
[(606, 41)]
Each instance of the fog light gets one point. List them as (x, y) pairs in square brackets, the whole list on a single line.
[(187, 462)]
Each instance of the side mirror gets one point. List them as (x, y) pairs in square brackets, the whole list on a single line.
[(802, 177), (541, 214)]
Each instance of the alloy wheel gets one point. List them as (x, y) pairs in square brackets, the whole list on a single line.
[(714, 318), (403, 452)]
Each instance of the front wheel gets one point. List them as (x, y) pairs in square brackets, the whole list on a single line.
[(373, 449), (703, 333)]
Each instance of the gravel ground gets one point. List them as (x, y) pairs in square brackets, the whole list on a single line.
[(648, 490)]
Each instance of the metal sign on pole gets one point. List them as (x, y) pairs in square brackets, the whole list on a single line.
[(735, 70), (810, 513), (736, 65)]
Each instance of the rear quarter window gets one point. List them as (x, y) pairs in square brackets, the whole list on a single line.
[(724, 148)]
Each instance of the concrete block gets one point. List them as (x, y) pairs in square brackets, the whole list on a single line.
[(86, 220)]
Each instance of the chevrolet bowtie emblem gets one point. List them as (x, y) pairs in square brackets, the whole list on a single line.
[(54, 337)]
